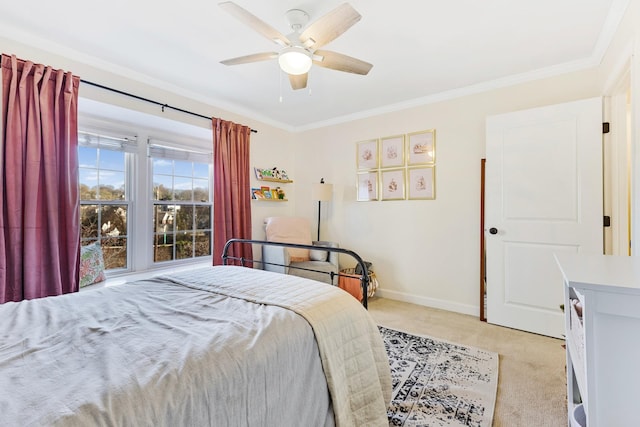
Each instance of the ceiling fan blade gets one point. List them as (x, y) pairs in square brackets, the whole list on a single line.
[(254, 22), (330, 26), (340, 62), (256, 57), (298, 81)]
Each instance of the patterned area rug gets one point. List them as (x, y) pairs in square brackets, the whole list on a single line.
[(438, 383)]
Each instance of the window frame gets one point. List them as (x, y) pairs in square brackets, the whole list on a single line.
[(98, 140), (172, 150)]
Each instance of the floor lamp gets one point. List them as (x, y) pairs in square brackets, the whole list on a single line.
[(322, 193)]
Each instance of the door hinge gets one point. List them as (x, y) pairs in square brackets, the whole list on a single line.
[(605, 127), (607, 221)]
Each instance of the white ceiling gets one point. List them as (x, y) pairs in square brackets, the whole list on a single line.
[(421, 50)]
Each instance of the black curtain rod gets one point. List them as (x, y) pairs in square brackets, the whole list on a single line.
[(150, 101)]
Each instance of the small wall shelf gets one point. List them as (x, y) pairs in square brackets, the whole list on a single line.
[(270, 175), (283, 181)]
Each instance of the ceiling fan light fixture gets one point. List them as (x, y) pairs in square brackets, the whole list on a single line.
[(295, 60)]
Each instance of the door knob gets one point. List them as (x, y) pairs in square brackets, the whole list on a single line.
[(493, 230)]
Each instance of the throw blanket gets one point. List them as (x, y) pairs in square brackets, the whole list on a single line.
[(351, 349)]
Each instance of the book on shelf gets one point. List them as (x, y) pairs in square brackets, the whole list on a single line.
[(256, 193)]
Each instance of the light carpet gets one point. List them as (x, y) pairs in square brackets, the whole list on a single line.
[(438, 383)]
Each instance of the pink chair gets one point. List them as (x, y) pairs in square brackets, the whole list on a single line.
[(296, 261)]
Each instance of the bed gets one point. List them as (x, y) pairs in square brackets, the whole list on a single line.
[(216, 346), (334, 278)]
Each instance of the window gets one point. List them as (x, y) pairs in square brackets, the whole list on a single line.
[(105, 204), (143, 226), (181, 203)]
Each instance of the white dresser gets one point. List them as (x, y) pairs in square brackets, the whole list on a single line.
[(603, 347)]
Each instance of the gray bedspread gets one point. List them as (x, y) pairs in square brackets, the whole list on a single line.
[(158, 353)]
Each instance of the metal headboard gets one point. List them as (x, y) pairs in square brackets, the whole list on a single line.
[(364, 277)]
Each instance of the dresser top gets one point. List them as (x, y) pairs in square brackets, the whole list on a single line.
[(601, 272)]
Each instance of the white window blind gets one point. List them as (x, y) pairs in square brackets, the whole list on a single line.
[(166, 150), (127, 144)]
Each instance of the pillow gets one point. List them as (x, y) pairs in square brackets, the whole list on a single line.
[(318, 255), (290, 230), (91, 265)]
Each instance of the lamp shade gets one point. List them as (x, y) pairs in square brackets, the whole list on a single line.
[(294, 60), (321, 192)]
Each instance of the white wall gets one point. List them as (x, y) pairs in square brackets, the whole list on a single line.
[(422, 251)]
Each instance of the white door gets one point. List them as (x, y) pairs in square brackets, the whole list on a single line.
[(543, 195)]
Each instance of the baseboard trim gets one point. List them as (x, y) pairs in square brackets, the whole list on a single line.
[(430, 302)]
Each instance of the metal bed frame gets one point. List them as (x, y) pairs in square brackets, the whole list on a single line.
[(364, 277)]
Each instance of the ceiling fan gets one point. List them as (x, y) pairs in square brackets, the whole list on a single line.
[(301, 48)]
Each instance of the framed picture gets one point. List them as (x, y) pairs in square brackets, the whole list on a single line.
[(421, 183), (367, 153), (392, 151), (367, 186), (421, 147), (392, 184)]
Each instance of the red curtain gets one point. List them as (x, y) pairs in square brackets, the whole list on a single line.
[(39, 201), (231, 189)]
